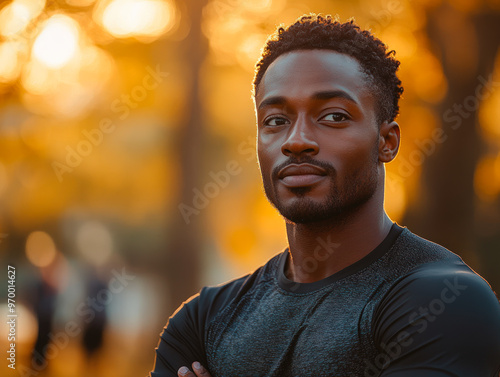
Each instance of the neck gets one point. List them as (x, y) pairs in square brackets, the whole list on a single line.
[(319, 250)]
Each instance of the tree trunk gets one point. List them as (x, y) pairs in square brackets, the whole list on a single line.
[(446, 213), (183, 263)]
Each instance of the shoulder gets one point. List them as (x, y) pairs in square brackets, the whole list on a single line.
[(408, 253), (442, 308), (206, 304), (441, 274), (201, 307), (438, 285), (421, 248)]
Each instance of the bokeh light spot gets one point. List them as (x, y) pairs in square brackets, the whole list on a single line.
[(95, 242), (487, 178), (16, 16), (490, 111), (26, 333), (40, 249), (35, 78), (127, 18), (9, 56), (57, 43)]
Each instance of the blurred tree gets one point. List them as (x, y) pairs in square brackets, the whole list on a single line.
[(466, 40), (184, 246)]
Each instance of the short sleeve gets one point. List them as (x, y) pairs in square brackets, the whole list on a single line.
[(440, 320)]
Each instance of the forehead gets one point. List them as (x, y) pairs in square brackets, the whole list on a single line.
[(300, 74)]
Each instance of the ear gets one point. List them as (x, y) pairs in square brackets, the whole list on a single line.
[(389, 137)]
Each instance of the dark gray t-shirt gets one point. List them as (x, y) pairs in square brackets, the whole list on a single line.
[(409, 308)]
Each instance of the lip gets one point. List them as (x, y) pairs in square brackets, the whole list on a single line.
[(301, 175)]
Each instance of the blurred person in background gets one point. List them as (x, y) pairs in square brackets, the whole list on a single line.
[(43, 299), (354, 294), (94, 329)]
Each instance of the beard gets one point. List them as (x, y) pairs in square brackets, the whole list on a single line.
[(343, 198)]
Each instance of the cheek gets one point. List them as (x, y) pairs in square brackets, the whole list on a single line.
[(269, 141), (268, 151), (350, 154), (263, 159), (261, 150)]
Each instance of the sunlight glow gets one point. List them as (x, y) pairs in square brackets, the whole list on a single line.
[(57, 43), (80, 3), (16, 16), (128, 18), (249, 50), (256, 5), (489, 113), (428, 80), (71, 90), (36, 79), (395, 198), (11, 66), (487, 178)]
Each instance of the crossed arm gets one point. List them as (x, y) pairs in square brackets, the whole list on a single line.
[(451, 322), (199, 371)]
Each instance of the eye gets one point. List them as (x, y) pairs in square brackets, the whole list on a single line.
[(276, 121), (335, 117)]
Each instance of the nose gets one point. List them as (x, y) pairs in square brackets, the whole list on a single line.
[(300, 140)]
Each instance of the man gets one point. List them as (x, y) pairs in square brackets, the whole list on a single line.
[(354, 294)]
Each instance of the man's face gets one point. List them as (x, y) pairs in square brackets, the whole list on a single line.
[(318, 138)]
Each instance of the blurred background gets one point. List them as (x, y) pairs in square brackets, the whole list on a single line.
[(128, 176)]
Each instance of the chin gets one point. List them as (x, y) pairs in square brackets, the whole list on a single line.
[(334, 209), (306, 212), (308, 205)]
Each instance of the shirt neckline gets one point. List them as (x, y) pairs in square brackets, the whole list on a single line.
[(379, 251)]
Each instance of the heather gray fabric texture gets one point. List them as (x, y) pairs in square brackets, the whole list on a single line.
[(409, 308)]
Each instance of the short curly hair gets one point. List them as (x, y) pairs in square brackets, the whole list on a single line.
[(317, 32)]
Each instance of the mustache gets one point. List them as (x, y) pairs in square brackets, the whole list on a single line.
[(330, 170)]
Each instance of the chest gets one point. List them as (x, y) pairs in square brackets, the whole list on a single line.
[(276, 334)]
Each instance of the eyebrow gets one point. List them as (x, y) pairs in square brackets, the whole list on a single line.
[(324, 95)]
